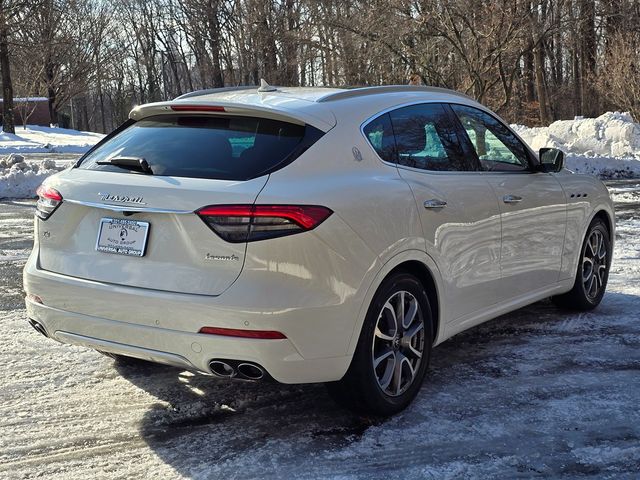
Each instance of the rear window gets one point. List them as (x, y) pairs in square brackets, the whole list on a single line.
[(225, 148)]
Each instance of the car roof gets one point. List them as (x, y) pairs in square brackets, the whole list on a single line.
[(317, 106), (311, 94)]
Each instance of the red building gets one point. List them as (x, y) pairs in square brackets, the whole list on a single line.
[(36, 110)]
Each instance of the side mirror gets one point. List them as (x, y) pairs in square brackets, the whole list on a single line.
[(551, 160)]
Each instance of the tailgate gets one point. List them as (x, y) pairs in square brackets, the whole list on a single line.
[(181, 254)]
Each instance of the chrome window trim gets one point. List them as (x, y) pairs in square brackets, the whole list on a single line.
[(442, 172)]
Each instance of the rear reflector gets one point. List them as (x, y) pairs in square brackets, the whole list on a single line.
[(248, 223), (197, 108), (34, 298), (48, 200), (232, 332)]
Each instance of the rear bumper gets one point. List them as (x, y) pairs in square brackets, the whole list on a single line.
[(171, 338), (191, 351)]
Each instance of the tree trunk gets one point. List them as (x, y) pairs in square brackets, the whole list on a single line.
[(588, 56), (214, 43), (538, 57), (8, 121), (613, 25), (51, 94), (269, 53), (290, 47), (577, 85), (528, 74)]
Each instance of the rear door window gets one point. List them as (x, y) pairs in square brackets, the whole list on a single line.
[(225, 148), (426, 138)]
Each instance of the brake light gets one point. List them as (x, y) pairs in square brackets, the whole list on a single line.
[(197, 108), (248, 223), (233, 332), (48, 200)]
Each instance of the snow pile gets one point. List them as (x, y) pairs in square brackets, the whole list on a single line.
[(612, 134), (19, 179), (607, 146), (37, 139)]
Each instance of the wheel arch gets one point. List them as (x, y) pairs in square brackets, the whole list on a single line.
[(602, 211), (419, 264), (422, 272), (606, 218)]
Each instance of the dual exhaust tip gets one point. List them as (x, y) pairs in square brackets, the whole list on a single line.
[(38, 327), (242, 370)]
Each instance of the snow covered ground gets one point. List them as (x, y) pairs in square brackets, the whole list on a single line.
[(36, 139), (536, 393)]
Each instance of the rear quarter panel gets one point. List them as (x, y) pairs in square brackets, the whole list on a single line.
[(374, 219)]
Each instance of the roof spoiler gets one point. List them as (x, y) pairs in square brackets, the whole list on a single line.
[(324, 120)]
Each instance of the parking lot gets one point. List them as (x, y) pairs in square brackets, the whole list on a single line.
[(536, 393)]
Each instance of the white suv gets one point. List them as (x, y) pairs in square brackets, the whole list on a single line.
[(310, 235)]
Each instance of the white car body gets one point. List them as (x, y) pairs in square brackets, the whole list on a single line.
[(479, 257)]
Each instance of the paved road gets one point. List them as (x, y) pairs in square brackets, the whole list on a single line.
[(537, 393)]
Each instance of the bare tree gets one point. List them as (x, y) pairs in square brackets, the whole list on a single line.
[(11, 11), (533, 60), (622, 78)]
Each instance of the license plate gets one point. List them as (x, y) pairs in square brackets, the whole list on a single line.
[(123, 237)]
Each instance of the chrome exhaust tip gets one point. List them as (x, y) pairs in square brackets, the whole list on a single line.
[(38, 327), (221, 369), (250, 371)]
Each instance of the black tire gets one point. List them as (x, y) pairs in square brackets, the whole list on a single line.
[(360, 389), (582, 297)]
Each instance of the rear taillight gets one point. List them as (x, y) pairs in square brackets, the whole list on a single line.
[(248, 223), (48, 200)]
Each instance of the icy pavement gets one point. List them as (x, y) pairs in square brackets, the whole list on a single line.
[(536, 393)]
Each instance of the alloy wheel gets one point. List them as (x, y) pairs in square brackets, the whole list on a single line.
[(398, 343), (594, 264)]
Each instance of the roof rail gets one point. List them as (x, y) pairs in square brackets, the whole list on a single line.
[(362, 91), (208, 91)]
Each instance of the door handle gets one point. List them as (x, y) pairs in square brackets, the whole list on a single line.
[(511, 199), (434, 203)]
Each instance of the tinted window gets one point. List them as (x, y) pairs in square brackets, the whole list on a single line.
[(380, 136), (425, 138), (228, 148), (498, 149)]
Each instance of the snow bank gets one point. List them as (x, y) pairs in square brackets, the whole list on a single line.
[(20, 176), (37, 139), (607, 146), (19, 179)]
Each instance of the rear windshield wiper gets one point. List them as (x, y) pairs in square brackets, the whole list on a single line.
[(133, 163)]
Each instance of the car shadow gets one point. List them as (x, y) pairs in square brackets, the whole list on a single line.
[(203, 427), (216, 419)]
